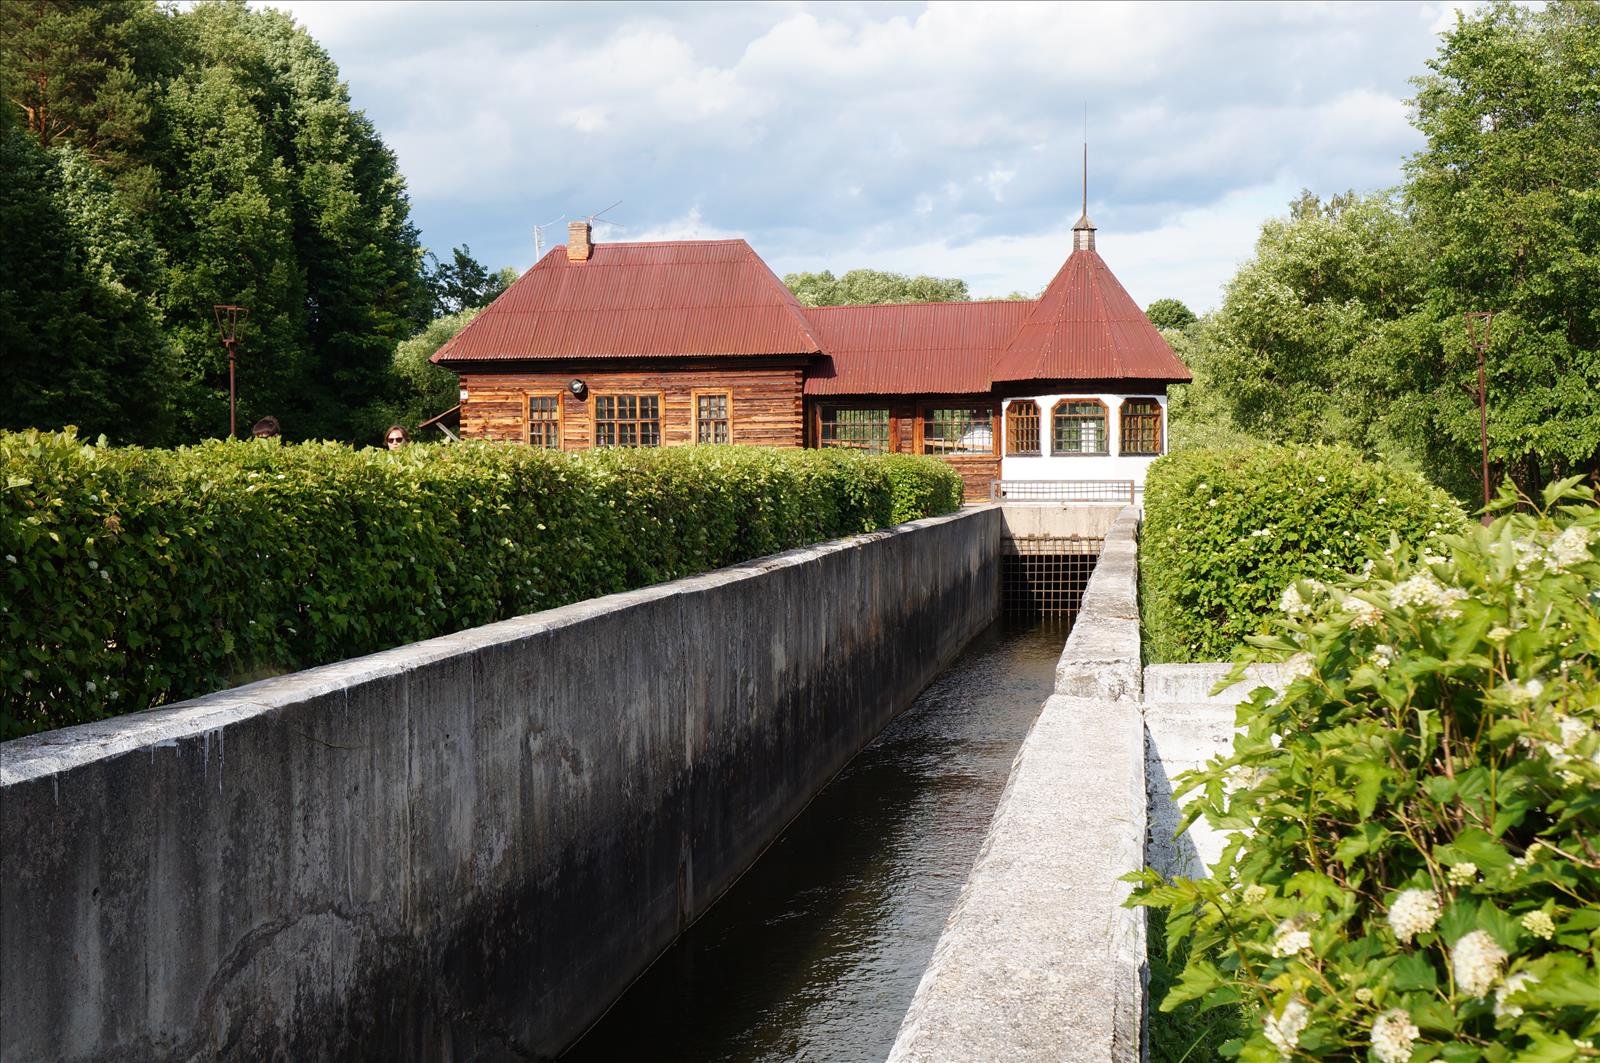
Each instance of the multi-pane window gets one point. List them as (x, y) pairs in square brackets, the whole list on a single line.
[(865, 430), (1141, 426), (627, 421), (1022, 427), (711, 417), (1079, 427), (957, 431), (544, 422)]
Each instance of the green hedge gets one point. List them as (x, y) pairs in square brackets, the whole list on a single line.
[(1227, 531), (138, 577)]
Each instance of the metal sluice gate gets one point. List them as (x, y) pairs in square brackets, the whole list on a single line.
[(1045, 575)]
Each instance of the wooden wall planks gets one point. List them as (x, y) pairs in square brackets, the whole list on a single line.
[(765, 404)]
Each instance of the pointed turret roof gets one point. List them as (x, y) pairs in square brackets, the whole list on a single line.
[(1087, 327)]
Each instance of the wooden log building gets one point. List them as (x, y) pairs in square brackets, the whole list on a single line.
[(698, 341)]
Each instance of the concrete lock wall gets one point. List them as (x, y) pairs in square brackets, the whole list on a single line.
[(1040, 960), (463, 848)]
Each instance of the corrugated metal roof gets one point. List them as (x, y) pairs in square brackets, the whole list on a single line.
[(670, 299), (932, 348), (1086, 327)]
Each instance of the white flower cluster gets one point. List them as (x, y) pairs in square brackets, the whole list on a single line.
[(1383, 655), (1569, 548), (1254, 893), (1476, 960), (1513, 983), (1393, 1034), (1424, 591), (1463, 874), (1365, 613), (1290, 937), (1413, 912), (1292, 603), (1284, 1030), (1540, 925)]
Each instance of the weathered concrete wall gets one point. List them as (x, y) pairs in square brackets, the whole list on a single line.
[(1101, 659), (464, 848), (1040, 961), (1027, 520), (1185, 726)]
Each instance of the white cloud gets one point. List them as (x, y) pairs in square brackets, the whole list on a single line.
[(939, 138)]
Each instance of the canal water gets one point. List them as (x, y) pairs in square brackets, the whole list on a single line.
[(816, 952)]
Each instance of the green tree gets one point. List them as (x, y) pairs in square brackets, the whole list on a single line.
[(79, 323), (1167, 314), (463, 283), (870, 286), (427, 389), (1297, 351), (233, 143), (1507, 199)]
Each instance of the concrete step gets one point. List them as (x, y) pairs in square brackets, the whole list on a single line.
[(1194, 682)]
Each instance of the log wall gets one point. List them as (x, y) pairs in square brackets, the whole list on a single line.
[(765, 401)]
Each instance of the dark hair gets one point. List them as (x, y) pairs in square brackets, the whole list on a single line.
[(266, 428)]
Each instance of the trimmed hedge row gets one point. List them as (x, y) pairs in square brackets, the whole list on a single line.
[(1226, 532), (138, 577)]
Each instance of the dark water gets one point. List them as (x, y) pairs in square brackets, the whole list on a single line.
[(816, 952)]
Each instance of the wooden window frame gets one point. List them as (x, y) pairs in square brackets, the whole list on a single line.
[(919, 439), (694, 414), (889, 408), (527, 418), (1038, 429), (1160, 416), (1105, 414), (660, 418)]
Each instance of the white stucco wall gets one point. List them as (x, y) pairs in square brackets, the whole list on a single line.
[(1111, 466)]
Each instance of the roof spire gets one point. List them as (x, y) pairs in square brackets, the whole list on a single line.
[(1083, 231)]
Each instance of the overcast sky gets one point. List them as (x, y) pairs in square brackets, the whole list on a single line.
[(927, 138)]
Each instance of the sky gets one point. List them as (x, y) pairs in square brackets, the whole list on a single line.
[(941, 138)]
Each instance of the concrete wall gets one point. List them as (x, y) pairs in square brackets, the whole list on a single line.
[(1186, 724), (1040, 961), (1033, 520), (464, 848)]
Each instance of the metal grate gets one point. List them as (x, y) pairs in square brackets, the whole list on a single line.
[(1046, 575), (1062, 490)]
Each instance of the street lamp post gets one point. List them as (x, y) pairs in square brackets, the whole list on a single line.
[(229, 318), (1478, 324)]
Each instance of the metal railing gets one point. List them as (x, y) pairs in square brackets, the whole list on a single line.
[(1062, 490)]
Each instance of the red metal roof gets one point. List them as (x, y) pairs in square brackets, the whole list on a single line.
[(1086, 327), (672, 299), (930, 348)]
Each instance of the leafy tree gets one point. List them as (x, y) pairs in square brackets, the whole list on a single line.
[(870, 286), (233, 143), (1170, 314), (77, 274), (1297, 349), (1507, 201), (462, 283), (88, 74), (427, 389)]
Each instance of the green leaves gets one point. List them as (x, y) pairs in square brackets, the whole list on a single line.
[(1423, 801), (134, 578)]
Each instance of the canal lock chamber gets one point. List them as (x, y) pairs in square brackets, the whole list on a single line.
[(817, 951)]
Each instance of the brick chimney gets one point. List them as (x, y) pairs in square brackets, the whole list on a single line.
[(579, 246)]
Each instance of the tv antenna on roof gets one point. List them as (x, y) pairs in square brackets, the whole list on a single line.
[(538, 236), (613, 224)]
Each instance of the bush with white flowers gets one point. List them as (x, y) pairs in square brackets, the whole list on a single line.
[(1414, 868)]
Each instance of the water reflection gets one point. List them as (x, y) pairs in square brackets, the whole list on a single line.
[(815, 953)]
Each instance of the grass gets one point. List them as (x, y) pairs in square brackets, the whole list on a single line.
[(1186, 1033)]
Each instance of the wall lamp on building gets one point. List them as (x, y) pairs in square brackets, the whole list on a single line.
[(577, 388)]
